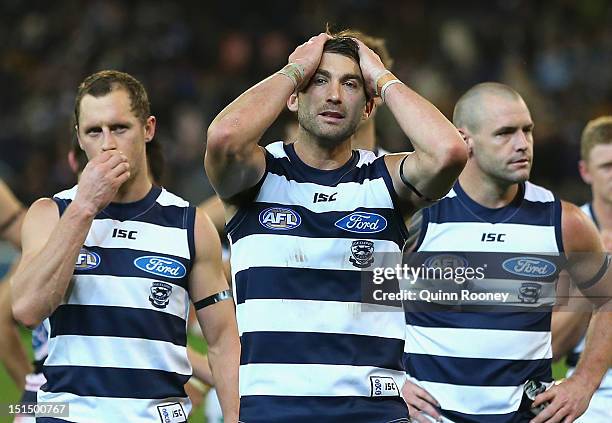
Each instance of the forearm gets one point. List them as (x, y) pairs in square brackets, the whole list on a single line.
[(42, 279), (224, 358), (243, 122), (201, 367), (597, 355), (429, 131), (12, 352)]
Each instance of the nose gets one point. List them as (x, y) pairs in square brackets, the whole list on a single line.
[(334, 93), (521, 141), (109, 142)]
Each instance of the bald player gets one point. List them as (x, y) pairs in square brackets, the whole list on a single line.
[(476, 364)]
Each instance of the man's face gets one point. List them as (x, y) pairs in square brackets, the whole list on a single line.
[(502, 143), (597, 171), (333, 104), (108, 123)]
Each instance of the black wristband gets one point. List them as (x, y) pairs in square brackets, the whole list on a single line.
[(213, 299), (409, 185)]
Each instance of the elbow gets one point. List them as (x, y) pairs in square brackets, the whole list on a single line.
[(24, 314), (454, 157), (221, 140)]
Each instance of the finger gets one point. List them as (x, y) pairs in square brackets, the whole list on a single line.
[(119, 170), (119, 180), (419, 417), (546, 414), (426, 396), (426, 407), (548, 395), (115, 160)]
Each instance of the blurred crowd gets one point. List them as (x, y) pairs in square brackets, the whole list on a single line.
[(195, 57)]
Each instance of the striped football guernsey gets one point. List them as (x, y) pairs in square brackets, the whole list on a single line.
[(476, 361), (600, 407), (309, 351), (117, 345)]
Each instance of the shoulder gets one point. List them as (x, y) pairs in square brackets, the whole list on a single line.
[(579, 232)]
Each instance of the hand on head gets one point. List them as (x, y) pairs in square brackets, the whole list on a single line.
[(308, 56)]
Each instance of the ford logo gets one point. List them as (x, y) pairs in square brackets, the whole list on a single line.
[(532, 267), (443, 261), (87, 260), (279, 219), (362, 223), (161, 266)]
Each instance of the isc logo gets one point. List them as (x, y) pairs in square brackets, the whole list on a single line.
[(124, 233), (87, 260), (278, 218), (493, 237), (319, 197)]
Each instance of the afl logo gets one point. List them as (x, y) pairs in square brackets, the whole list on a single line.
[(279, 219), (161, 266), (87, 260), (446, 261), (532, 267)]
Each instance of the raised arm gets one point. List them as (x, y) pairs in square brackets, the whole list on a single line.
[(218, 320), (590, 272), (51, 245), (234, 161), (439, 151)]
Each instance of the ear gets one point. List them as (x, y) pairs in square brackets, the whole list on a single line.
[(465, 134), (369, 108), (149, 128), (73, 162), (292, 102), (583, 168)]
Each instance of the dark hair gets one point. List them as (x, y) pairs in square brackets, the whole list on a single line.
[(345, 46), (102, 83), (378, 45)]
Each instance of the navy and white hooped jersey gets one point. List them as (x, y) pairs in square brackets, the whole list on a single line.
[(476, 361), (117, 345), (600, 407), (309, 352)]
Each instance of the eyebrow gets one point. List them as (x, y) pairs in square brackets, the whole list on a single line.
[(512, 128), (344, 77)]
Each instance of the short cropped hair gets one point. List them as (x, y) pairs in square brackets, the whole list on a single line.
[(597, 131), (102, 83)]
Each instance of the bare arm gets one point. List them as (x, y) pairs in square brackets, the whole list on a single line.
[(439, 151), (201, 366), (218, 321), (11, 216), (234, 162), (584, 252), (51, 244), (569, 322), (213, 207), (12, 352)]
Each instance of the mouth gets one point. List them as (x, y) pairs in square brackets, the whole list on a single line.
[(332, 115), (520, 162)]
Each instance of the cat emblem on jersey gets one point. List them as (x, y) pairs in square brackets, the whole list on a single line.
[(160, 294), (362, 253)]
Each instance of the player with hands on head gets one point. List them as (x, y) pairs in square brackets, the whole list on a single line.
[(294, 254)]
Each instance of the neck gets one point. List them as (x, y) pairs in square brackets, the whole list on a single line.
[(603, 212), (134, 189), (365, 137), (319, 154), (486, 191)]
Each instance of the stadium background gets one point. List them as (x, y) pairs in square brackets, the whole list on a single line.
[(194, 58)]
